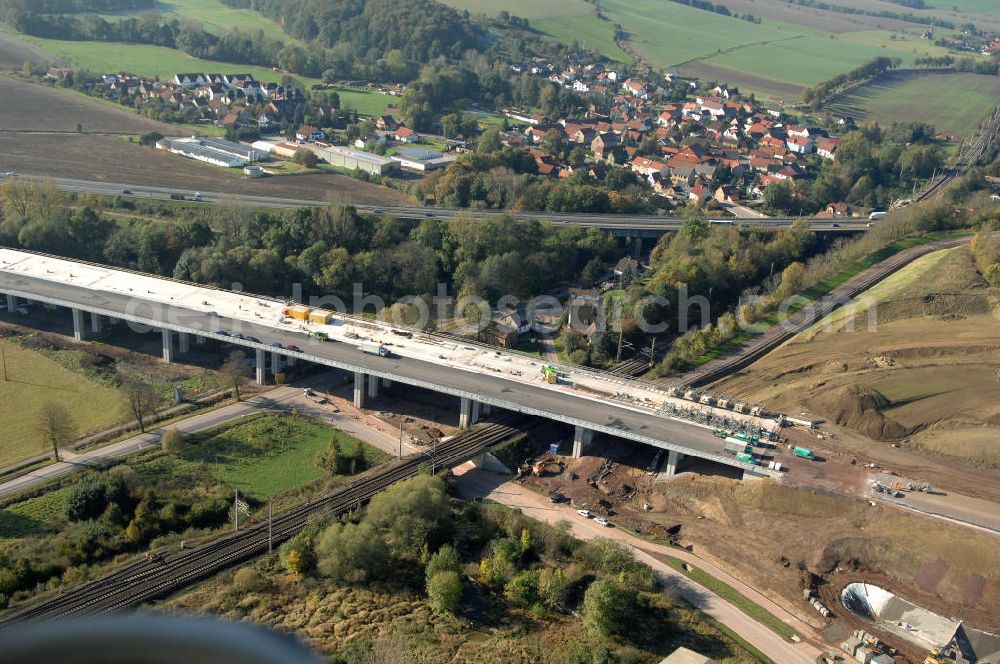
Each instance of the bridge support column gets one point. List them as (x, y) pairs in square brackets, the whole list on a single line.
[(78, 328), (581, 441), (275, 364), (261, 367), (372, 387), (673, 458), (11, 303), (168, 345), (184, 342), (359, 389), (95, 323), (386, 383), (469, 413), (198, 339), (485, 409), (290, 361), (637, 250)]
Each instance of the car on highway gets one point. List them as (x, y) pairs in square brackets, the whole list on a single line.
[(293, 347), (429, 215), (238, 336), (601, 521), (10, 174), (275, 344), (197, 196), (253, 339), (584, 513), (835, 225), (223, 333), (377, 211), (126, 192)]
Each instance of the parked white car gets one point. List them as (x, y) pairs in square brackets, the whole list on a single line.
[(584, 513), (601, 521)]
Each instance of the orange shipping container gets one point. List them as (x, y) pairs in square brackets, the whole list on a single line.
[(299, 312), (320, 316)]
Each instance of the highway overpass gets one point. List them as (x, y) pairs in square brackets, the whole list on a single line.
[(482, 377), (633, 226)]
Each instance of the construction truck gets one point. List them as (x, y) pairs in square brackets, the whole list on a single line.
[(550, 374), (322, 336), (375, 349)]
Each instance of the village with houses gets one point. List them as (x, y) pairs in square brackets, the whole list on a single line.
[(688, 143)]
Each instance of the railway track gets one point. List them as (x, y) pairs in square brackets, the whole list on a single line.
[(815, 311), (966, 160), (147, 580)]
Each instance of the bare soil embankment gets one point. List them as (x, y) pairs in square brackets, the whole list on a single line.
[(915, 362)]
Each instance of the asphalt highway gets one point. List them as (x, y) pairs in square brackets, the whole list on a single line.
[(563, 405), (609, 222)]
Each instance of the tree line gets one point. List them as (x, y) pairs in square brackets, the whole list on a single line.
[(325, 249), (818, 94)]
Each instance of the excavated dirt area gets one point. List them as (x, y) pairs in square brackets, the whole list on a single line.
[(779, 537), (925, 376)]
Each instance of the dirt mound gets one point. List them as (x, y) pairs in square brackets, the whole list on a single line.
[(860, 408), (944, 306)]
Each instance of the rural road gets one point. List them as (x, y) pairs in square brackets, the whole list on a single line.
[(609, 222), (278, 399), (476, 483)]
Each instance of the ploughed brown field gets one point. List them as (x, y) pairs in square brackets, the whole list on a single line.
[(38, 137)]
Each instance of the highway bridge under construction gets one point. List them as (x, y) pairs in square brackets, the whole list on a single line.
[(482, 377)]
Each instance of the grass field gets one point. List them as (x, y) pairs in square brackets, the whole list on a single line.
[(32, 380), (954, 103), (269, 454), (144, 60), (364, 102), (563, 20), (218, 18)]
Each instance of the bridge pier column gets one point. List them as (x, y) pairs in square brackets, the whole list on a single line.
[(78, 327), (261, 367), (359, 389), (673, 458), (11, 303), (184, 342), (485, 409), (469, 413), (275, 364), (168, 345), (198, 339), (372, 387), (581, 441), (386, 383), (637, 248), (290, 361), (95, 323)]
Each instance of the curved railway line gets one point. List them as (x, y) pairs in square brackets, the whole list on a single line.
[(809, 314), (147, 580)]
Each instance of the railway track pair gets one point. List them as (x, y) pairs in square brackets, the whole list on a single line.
[(148, 580)]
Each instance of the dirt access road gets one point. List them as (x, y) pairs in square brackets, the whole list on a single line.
[(475, 483)]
